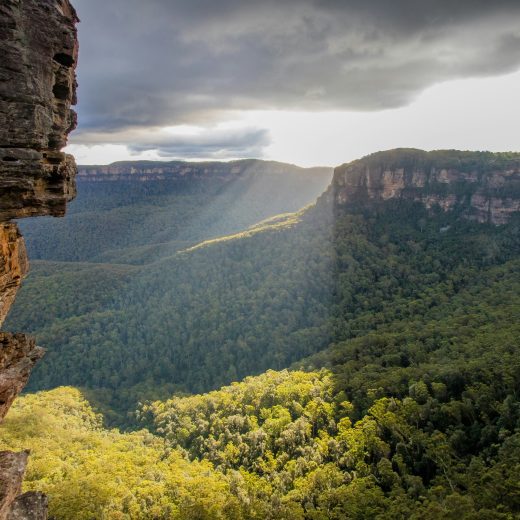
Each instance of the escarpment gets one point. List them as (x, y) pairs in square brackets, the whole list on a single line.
[(482, 186), (39, 49), (177, 171)]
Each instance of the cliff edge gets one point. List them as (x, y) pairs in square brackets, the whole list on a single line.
[(481, 186), (39, 49)]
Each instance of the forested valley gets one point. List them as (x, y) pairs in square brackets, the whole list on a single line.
[(142, 214), (333, 362)]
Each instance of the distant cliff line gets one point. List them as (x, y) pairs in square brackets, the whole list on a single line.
[(482, 186), (177, 170)]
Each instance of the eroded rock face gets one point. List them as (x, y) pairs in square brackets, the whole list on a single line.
[(18, 355), (39, 50), (481, 185), (13, 265), (13, 506), (12, 469)]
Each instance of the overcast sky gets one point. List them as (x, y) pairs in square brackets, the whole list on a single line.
[(309, 82)]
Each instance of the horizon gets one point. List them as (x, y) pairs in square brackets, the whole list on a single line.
[(313, 166)]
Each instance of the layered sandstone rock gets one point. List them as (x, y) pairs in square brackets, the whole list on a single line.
[(13, 265), (481, 185), (12, 469), (38, 49)]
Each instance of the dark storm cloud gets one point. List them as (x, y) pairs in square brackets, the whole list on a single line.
[(166, 62)]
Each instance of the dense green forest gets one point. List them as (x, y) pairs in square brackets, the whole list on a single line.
[(240, 305), (190, 322), (419, 419), (339, 362)]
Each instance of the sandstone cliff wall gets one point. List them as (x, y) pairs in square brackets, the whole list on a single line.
[(39, 50), (483, 186)]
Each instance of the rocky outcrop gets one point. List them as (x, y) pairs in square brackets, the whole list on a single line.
[(12, 469), (14, 506), (29, 506), (482, 186), (18, 354), (39, 51), (13, 265)]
